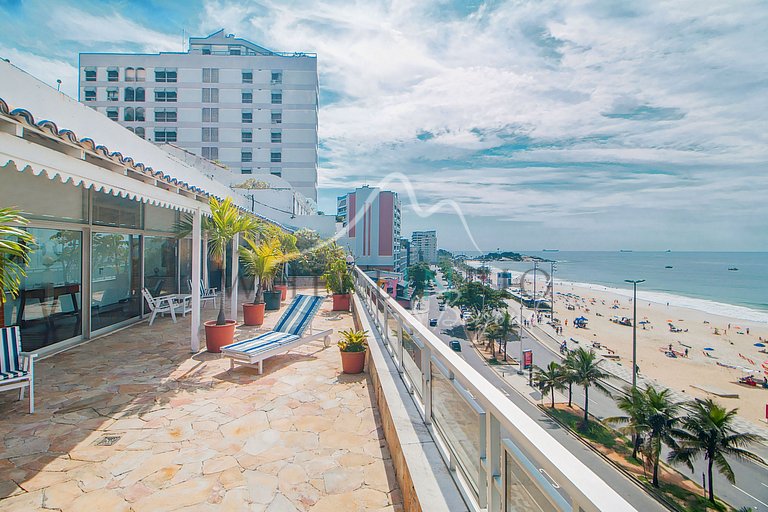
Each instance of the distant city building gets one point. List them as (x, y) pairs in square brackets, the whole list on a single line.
[(371, 221), (226, 99), (405, 254), (424, 247)]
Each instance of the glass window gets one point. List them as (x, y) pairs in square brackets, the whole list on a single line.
[(130, 75), (235, 50), (246, 136), (112, 75), (207, 50), (109, 210), (246, 171), (141, 74), (277, 171), (115, 279), (165, 95), (129, 94), (140, 132), (129, 114), (166, 135), (246, 156), (90, 95), (139, 93), (277, 97), (210, 75), (160, 262), (165, 115), (247, 96), (275, 157), (277, 117), (41, 198), (90, 74), (157, 218), (211, 153), (277, 77), (210, 134), (185, 264), (49, 306), (112, 113), (247, 116), (247, 76), (276, 137), (165, 74), (210, 95), (140, 113), (210, 115)]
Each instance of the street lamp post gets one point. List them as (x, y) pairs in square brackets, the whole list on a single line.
[(634, 282)]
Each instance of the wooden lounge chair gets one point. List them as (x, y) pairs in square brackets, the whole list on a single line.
[(166, 304), (17, 368), (287, 334)]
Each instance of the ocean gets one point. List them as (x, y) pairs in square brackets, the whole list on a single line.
[(699, 280)]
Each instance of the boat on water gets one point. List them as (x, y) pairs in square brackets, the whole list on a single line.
[(668, 266), (550, 250), (625, 250), (733, 268)]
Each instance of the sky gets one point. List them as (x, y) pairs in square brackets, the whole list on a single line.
[(575, 125)]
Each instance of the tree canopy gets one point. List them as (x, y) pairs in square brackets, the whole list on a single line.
[(477, 296)]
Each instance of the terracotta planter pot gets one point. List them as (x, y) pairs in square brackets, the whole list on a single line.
[(283, 290), (341, 302), (272, 300), (352, 362), (216, 336), (253, 314)]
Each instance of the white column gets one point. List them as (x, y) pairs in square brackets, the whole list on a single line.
[(234, 263), (196, 253), (204, 255)]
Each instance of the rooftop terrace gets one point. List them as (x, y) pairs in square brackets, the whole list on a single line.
[(133, 421)]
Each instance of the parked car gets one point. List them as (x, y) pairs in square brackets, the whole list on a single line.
[(442, 307), (456, 345), (433, 322)]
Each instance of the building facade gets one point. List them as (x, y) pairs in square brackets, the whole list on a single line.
[(405, 254), (370, 220), (226, 99), (424, 247)]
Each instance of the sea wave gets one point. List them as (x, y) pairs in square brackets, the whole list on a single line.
[(707, 306)]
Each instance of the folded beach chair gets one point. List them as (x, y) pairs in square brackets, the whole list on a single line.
[(17, 368), (286, 335)]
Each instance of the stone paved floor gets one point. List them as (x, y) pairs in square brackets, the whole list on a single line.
[(133, 421)]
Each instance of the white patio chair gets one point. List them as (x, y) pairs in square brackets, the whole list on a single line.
[(206, 294), (17, 368), (166, 304)]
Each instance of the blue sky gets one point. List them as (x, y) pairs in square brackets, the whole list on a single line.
[(552, 124)]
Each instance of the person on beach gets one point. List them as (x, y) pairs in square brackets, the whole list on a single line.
[(686, 352)]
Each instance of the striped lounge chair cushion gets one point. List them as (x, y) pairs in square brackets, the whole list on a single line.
[(299, 314), (262, 342), (12, 375), (10, 348)]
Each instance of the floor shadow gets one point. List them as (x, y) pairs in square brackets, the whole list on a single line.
[(456, 332)]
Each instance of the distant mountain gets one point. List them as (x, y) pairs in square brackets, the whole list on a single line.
[(502, 256)]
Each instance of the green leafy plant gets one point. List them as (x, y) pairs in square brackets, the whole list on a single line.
[(338, 279), (353, 341), (261, 260), (549, 379), (586, 372), (16, 244), (226, 222)]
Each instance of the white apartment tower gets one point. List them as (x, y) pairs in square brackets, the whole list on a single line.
[(424, 247), (226, 99)]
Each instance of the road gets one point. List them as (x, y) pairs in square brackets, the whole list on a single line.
[(750, 489), (631, 492)]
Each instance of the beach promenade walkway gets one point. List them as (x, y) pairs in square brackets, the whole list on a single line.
[(133, 421)]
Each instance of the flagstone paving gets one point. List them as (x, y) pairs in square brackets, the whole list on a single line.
[(133, 421)]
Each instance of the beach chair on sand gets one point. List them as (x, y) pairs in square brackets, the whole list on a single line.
[(17, 368), (287, 334)]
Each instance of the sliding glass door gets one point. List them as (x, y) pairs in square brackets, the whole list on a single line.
[(115, 279)]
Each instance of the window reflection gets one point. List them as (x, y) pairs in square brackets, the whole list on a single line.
[(160, 265), (115, 279)]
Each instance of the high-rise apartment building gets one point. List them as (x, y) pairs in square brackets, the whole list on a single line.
[(226, 99), (371, 220), (405, 255), (424, 247)]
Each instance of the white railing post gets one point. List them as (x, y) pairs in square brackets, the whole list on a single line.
[(386, 325), (493, 464), (426, 387), (235, 269), (400, 345), (194, 343)]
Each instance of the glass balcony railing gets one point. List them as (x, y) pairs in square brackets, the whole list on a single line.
[(500, 458)]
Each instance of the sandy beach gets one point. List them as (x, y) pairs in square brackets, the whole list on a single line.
[(731, 342)]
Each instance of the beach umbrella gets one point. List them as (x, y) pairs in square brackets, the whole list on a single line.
[(760, 345), (708, 348)]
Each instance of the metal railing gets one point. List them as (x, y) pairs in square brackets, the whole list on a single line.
[(501, 458)]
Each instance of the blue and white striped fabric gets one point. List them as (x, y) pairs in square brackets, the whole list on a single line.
[(262, 342), (10, 338), (299, 314)]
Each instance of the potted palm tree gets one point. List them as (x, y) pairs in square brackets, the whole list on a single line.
[(288, 247), (226, 222), (259, 261), (353, 346), (15, 247), (340, 283)]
